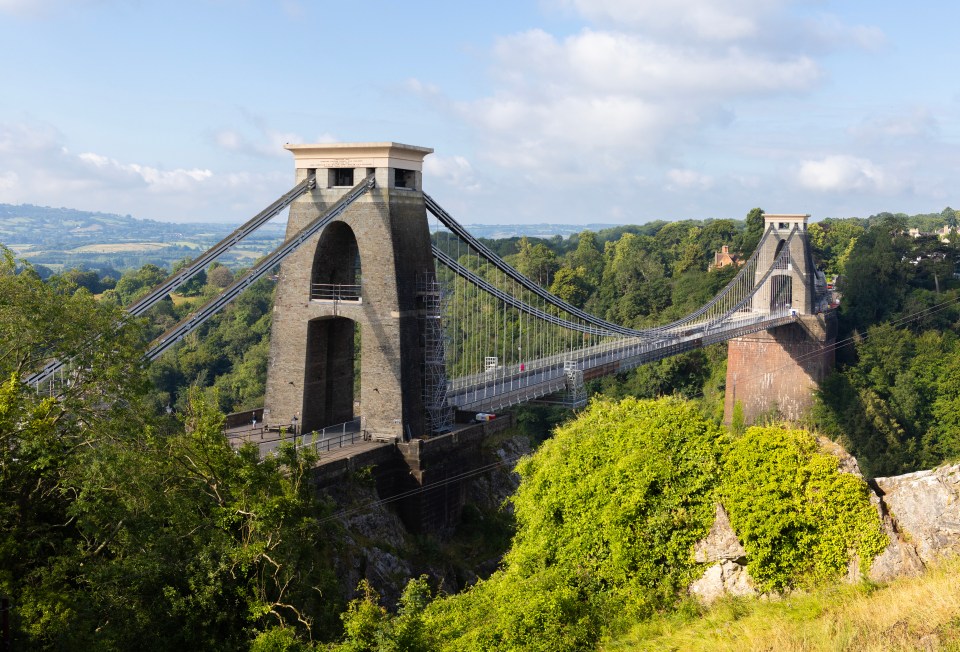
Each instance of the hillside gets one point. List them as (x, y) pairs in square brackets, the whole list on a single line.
[(63, 238), (918, 613)]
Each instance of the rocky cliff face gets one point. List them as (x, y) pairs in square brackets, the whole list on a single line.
[(920, 513), (373, 544)]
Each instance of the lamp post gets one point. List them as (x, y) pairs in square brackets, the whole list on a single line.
[(294, 421)]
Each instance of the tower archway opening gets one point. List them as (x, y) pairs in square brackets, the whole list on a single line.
[(779, 263), (336, 273), (331, 381), (781, 292)]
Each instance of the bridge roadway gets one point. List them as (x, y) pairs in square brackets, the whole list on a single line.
[(509, 385)]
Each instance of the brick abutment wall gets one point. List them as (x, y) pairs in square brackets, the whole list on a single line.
[(776, 372)]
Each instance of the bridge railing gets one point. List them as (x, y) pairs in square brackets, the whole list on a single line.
[(334, 292), (332, 437), (516, 383)]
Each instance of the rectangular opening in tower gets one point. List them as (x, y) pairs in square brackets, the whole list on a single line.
[(404, 179), (341, 177)]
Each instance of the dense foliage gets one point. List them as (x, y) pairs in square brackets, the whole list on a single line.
[(122, 530), (893, 399), (607, 515), (798, 518)]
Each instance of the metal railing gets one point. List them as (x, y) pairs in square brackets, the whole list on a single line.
[(334, 292), (332, 437)]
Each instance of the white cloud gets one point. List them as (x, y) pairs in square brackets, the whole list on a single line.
[(829, 31), (643, 84), (919, 123), (37, 167), (688, 180), (41, 8), (632, 65), (156, 180), (23, 7), (260, 140), (719, 20), (267, 144), (561, 101), (844, 173), (8, 180), (454, 171)]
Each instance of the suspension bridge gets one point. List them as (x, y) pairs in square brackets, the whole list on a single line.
[(384, 301)]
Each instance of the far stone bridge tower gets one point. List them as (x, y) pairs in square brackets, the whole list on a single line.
[(775, 372), (360, 273)]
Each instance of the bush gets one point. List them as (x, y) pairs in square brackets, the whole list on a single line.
[(797, 515), (608, 512)]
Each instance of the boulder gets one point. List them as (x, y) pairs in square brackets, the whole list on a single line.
[(925, 510), (846, 462), (728, 574), (723, 578), (721, 542), (898, 559)]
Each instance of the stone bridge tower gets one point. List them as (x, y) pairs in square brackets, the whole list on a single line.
[(354, 281), (775, 372), (790, 285)]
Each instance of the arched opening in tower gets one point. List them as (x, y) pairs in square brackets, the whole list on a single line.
[(781, 292), (336, 265), (777, 262), (332, 373)]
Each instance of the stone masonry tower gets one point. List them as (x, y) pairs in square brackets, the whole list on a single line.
[(775, 372), (359, 273), (790, 284)]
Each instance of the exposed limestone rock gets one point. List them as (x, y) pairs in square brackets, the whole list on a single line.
[(847, 462), (920, 514), (723, 578), (372, 543), (898, 559), (491, 490), (721, 543), (728, 575), (925, 508)]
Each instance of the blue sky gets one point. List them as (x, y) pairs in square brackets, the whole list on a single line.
[(565, 111)]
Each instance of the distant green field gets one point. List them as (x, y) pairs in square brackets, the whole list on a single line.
[(119, 247)]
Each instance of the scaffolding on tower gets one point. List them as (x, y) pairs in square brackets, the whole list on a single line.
[(439, 413)]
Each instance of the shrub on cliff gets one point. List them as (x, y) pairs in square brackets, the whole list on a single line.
[(607, 511), (798, 517)]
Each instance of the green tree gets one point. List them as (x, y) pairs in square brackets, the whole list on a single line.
[(607, 511), (571, 285), (798, 517), (194, 286), (589, 256), (134, 285), (536, 261), (753, 231), (877, 278), (219, 276)]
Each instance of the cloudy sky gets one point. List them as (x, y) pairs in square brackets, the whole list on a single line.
[(565, 111)]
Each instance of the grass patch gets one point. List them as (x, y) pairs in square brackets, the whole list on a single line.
[(921, 613), (179, 299)]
